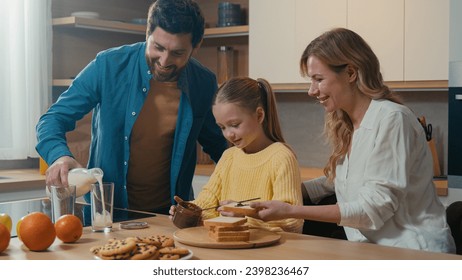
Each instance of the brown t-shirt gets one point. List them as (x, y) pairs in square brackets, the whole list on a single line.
[(151, 142)]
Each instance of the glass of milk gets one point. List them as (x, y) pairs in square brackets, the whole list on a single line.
[(102, 202)]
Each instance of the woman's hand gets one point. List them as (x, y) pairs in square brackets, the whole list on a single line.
[(271, 210), (56, 174)]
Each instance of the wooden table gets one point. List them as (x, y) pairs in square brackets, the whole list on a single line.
[(290, 247)]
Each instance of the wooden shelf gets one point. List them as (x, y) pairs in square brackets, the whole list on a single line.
[(124, 27), (230, 31), (437, 85), (98, 24)]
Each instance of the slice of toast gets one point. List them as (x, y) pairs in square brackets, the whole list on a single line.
[(229, 238), (245, 210), (228, 228), (230, 233), (225, 221)]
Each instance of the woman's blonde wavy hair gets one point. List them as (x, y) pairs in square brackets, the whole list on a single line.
[(338, 48)]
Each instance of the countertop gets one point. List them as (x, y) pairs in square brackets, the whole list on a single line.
[(309, 173), (291, 246), (12, 180)]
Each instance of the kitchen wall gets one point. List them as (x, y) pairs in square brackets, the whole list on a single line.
[(302, 122)]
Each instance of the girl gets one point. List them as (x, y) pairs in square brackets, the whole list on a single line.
[(259, 164)]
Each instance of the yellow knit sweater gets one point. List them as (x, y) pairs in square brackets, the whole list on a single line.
[(271, 174)]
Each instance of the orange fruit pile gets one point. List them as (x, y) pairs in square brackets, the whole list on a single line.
[(37, 231), (4, 237), (68, 228)]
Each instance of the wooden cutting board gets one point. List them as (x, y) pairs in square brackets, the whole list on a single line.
[(198, 236)]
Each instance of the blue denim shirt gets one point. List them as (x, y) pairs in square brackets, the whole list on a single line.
[(114, 85)]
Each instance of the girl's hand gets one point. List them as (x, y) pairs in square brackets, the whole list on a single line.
[(224, 213), (271, 210), (172, 212), (173, 207)]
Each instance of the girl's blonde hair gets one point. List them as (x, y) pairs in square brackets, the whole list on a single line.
[(338, 48), (250, 94)]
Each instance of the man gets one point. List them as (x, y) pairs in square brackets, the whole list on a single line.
[(151, 102)]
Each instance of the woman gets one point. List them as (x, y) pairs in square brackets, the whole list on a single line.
[(380, 168)]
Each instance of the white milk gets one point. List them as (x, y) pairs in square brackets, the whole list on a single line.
[(104, 219)]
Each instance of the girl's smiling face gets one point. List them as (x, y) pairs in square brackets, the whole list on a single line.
[(240, 126)]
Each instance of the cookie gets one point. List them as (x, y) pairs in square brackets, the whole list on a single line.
[(144, 252), (169, 257), (165, 240), (151, 240), (123, 256), (174, 250), (117, 247), (95, 249)]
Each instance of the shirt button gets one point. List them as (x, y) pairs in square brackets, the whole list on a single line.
[(144, 89), (126, 138), (125, 187), (149, 72), (133, 113), (125, 163)]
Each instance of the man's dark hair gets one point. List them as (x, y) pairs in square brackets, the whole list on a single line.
[(175, 17)]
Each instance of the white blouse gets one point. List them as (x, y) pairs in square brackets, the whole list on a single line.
[(385, 188)]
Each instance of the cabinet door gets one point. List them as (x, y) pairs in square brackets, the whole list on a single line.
[(271, 40), (426, 51), (380, 23), (280, 31), (315, 17)]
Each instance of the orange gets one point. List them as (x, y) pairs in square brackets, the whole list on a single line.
[(4, 237), (17, 228), (68, 228), (37, 231), (5, 219)]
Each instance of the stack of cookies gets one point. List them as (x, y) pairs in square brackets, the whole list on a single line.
[(227, 229), (155, 247)]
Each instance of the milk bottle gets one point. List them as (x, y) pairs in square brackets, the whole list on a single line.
[(82, 178)]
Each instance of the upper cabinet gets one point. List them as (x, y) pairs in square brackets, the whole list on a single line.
[(380, 23), (280, 32), (426, 49), (410, 37)]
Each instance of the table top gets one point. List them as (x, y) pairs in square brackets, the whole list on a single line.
[(291, 246)]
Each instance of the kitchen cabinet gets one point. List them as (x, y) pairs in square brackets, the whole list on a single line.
[(279, 35), (410, 37), (426, 48), (380, 23)]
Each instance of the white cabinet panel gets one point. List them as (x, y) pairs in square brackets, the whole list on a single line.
[(315, 17), (280, 30), (272, 40), (426, 49), (380, 23), (410, 37)]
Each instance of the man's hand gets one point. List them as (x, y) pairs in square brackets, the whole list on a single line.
[(56, 174)]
